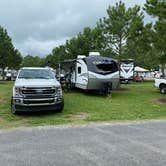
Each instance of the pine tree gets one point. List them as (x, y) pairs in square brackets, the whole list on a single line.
[(157, 9), (9, 56)]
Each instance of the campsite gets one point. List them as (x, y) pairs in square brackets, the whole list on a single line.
[(136, 101), (111, 71), (112, 68), (82, 83)]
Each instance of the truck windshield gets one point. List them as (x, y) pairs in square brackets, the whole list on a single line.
[(36, 74)]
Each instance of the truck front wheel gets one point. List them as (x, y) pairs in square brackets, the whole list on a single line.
[(13, 109), (163, 89), (60, 109)]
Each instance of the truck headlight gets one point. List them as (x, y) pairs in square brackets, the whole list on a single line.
[(17, 92), (59, 91)]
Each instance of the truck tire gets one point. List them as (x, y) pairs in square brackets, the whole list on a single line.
[(60, 109), (163, 89), (13, 109)]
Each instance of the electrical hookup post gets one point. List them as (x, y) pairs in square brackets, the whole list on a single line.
[(59, 72), (119, 65)]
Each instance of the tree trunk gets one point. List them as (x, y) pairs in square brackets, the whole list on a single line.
[(3, 74), (119, 56), (162, 69)]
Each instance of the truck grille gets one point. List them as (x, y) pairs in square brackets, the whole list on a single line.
[(38, 92), (37, 96), (39, 102)]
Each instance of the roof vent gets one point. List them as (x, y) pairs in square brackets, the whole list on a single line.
[(94, 53), (81, 56)]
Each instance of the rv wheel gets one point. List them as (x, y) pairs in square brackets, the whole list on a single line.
[(108, 92), (163, 89)]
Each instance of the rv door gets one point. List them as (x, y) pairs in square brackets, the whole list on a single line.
[(81, 75)]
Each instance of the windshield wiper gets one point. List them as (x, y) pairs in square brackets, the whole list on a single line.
[(41, 78), (25, 77)]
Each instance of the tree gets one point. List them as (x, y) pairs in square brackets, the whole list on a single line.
[(91, 39), (117, 26), (49, 60), (9, 56), (79, 45), (15, 60), (139, 45), (157, 9), (31, 61)]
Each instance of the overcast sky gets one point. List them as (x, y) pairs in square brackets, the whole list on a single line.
[(36, 26)]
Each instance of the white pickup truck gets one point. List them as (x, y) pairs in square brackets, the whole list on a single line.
[(36, 89), (161, 84)]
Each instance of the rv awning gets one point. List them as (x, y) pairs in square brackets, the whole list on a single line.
[(67, 64), (140, 69)]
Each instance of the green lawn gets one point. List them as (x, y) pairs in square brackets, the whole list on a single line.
[(135, 104)]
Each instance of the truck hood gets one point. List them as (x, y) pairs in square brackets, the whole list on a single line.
[(36, 83)]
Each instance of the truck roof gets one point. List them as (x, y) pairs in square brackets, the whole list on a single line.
[(34, 68)]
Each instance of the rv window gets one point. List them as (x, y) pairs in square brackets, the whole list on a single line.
[(79, 70), (106, 67)]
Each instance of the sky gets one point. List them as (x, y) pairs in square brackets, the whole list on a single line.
[(37, 26)]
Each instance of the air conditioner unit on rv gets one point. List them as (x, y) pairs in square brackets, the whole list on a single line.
[(94, 53), (81, 56)]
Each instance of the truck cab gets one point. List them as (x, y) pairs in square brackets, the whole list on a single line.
[(161, 84), (36, 89)]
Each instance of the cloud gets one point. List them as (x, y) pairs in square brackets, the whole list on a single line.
[(36, 26), (39, 47)]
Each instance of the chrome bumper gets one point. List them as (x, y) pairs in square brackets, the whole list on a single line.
[(36, 102)]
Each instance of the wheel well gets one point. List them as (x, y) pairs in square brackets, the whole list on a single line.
[(162, 84)]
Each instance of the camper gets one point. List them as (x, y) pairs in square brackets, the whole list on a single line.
[(8, 75), (126, 70), (93, 72)]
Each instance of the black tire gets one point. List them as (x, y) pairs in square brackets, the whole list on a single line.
[(163, 89), (60, 109), (13, 109), (108, 92)]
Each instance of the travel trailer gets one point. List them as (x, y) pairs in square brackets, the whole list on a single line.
[(93, 72), (127, 70)]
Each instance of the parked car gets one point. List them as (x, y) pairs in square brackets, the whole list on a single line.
[(138, 78), (161, 84), (36, 89)]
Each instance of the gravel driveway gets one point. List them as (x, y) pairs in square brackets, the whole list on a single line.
[(118, 144)]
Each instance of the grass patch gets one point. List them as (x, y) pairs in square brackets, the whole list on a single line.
[(136, 103)]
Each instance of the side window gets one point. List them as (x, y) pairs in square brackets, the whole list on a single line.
[(79, 70)]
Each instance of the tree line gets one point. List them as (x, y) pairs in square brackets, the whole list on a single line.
[(121, 34), (9, 55)]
